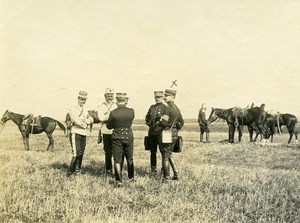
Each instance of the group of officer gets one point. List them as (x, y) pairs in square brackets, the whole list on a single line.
[(118, 140)]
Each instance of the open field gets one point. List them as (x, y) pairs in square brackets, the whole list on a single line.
[(220, 182)]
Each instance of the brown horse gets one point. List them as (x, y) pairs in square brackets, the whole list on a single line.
[(48, 126), (235, 120)]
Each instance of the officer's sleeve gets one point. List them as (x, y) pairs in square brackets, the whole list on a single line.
[(147, 118), (74, 115), (180, 122), (110, 122)]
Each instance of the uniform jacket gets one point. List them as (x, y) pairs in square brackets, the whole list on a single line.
[(103, 114), (120, 120), (172, 113), (202, 118), (80, 118), (153, 116)]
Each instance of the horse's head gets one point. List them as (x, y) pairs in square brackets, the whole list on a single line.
[(5, 117), (213, 116)]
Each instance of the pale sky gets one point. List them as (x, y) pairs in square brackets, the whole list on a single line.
[(224, 52)]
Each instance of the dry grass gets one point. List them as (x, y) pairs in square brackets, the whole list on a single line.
[(220, 182)]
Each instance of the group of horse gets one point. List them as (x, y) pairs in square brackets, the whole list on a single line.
[(257, 120)]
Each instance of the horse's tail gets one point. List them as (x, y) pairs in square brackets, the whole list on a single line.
[(61, 126)]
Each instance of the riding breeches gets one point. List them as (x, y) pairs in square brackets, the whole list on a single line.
[(78, 143)]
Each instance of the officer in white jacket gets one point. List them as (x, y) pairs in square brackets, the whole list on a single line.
[(104, 110), (80, 119)]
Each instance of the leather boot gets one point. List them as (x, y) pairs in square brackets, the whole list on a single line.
[(118, 174), (130, 169), (201, 137), (72, 166), (78, 164), (174, 168), (108, 161), (153, 161), (207, 137), (166, 170)]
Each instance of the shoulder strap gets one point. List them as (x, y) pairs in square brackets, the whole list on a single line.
[(177, 115)]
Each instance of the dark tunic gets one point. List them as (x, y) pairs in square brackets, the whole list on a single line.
[(120, 120), (153, 117)]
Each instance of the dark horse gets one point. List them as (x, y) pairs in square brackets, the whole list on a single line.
[(92, 113), (269, 124), (48, 125), (235, 120), (278, 120), (290, 122)]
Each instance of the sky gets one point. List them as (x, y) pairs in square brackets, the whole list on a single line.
[(225, 53)]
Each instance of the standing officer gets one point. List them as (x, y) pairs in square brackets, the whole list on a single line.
[(120, 120), (171, 120), (203, 124), (103, 113), (80, 119), (152, 118)]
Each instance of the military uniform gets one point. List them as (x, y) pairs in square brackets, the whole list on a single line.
[(171, 115), (152, 119), (103, 113), (120, 120), (203, 124), (80, 119)]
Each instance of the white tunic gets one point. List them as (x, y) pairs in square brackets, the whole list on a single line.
[(103, 114), (81, 119)]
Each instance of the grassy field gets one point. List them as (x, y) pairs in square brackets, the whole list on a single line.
[(220, 182)]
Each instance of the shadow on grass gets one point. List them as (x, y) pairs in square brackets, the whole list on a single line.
[(94, 168)]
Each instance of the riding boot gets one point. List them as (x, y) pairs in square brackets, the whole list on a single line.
[(201, 137), (108, 162), (153, 162), (78, 164), (174, 168), (72, 166), (130, 169), (207, 137), (166, 170), (118, 174)]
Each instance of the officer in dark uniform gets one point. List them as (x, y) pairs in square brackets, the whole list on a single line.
[(152, 118), (171, 120), (120, 120), (203, 124)]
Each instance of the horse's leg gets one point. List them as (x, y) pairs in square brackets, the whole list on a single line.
[(250, 129), (231, 133), (296, 136), (291, 132), (240, 133), (25, 140), (51, 141), (254, 140)]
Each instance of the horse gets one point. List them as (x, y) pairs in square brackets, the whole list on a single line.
[(237, 120), (290, 122), (48, 126), (269, 124), (92, 113)]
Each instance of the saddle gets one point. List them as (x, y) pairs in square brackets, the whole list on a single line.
[(239, 112), (29, 121)]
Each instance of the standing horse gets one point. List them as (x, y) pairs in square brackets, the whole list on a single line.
[(269, 127), (290, 122), (247, 117), (48, 125)]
